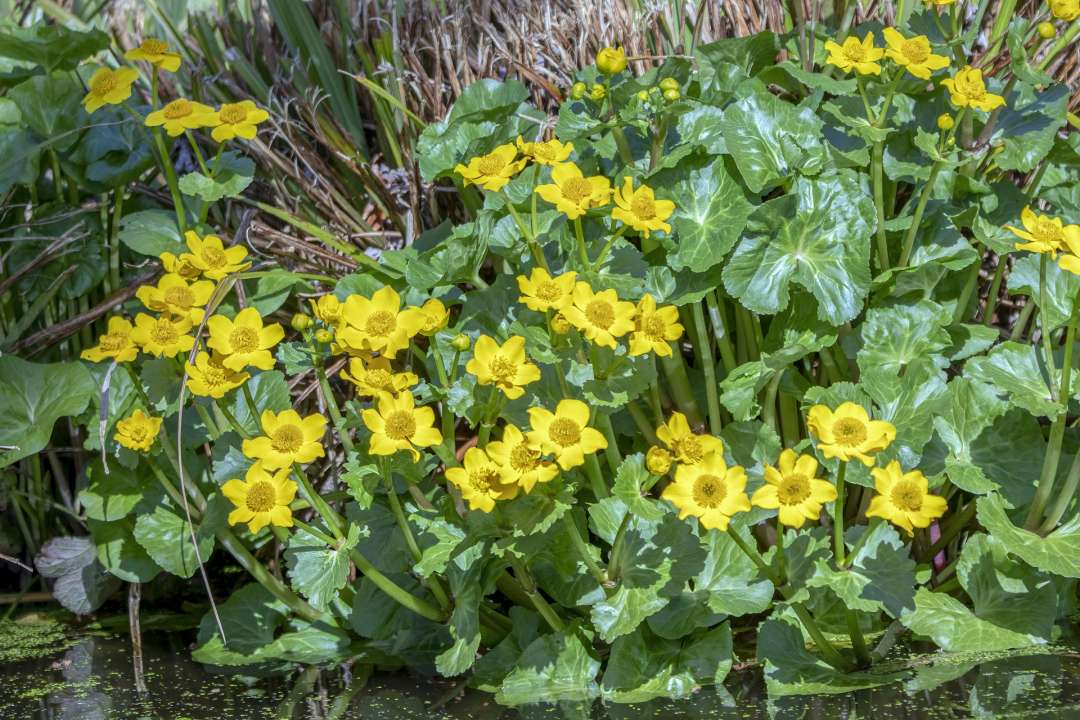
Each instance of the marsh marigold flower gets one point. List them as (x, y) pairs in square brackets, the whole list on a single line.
[(658, 461), (236, 120), (398, 424), (109, 87), (1067, 10), (794, 490), (162, 336), (565, 433), (244, 340), (945, 122), (521, 459), (375, 377), (174, 296), (116, 344), (328, 309), (541, 292), (862, 57), (379, 324), (436, 317), (209, 377), (848, 432), (550, 152), (155, 52), (1070, 260), (903, 498), (686, 446), (180, 115), (710, 491), (640, 209), (654, 328), (572, 193), (494, 170), (600, 316), (287, 439), (506, 366), (262, 498), (1043, 233), (180, 265), (967, 89), (138, 431), (210, 257), (611, 60), (913, 54), (481, 480)]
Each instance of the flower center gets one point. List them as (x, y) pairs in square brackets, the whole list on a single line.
[(577, 190), (233, 113), (915, 51), (654, 328), (137, 433), (1047, 230), (854, 52), (544, 151), (244, 340), (643, 206), (150, 46), (523, 458), (213, 257), (178, 109), (112, 343), (214, 375), (379, 378), (484, 480), (849, 432), (549, 291), (971, 86), (504, 370), (180, 297), (907, 496), (793, 489), (104, 84), (689, 449), (164, 333), (709, 491), (380, 323), (491, 164), (287, 439), (261, 497), (400, 425), (600, 313), (564, 431)]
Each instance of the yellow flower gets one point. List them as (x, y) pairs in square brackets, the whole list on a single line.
[(209, 377), (162, 337), (116, 344), (861, 57), (138, 431), (600, 316), (521, 459), (903, 498), (211, 258), (261, 498), (494, 170), (611, 60), (435, 317), (939, 3), (109, 87), (913, 54), (1070, 260), (399, 425), (565, 433), (378, 324), (506, 367), (551, 152), (685, 445), (1067, 10), (155, 52), (573, 193), (640, 209), (967, 89), (654, 328), (287, 439), (560, 325), (180, 265), (174, 296), (945, 122), (658, 461), (181, 115), (376, 378), (1044, 233), (244, 340), (710, 491), (233, 120), (328, 309), (849, 432), (794, 489), (541, 292), (481, 481)]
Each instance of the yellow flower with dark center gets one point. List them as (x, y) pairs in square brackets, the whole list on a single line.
[(378, 324), (551, 152), (565, 433), (209, 377), (287, 439), (967, 89), (1067, 10), (180, 115), (376, 378), (174, 296), (236, 120), (913, 54), (436, 316), (138, 431), (573, 193), (507, 367), (399, 425), (903, 498), (849, 432), (611, 60), (116, 344), (481, 480), (261, 498), (162, 336), (328, 309), (541, 292), (861, 57), (710, 491), (794, 490), (1070, 260), (654, 328), (640, 209), (521, 459), (658, 461), (155, 52), (494, 170), (244, 340), (180, 265), (1043, 233), (211, 258), (600, 316), (687, 447), (109, 87)]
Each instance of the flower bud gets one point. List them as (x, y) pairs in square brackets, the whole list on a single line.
[(658, 460), (669, 83), (461, 342), (577, 90), (945, 121), (300, 322), (611, 61), (1047, 30), (672, 95), (324, 336), (560, 324), (597, 92), (643, 96)]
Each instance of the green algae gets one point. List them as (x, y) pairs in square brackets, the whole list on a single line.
[(32, 637)]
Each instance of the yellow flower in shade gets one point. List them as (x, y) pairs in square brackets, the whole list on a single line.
[(328, 309), (162, 336), (521, 459), (494, 170), (209, 377), (181, 115), (435, 317), (551, 152), (236, 120), (399, 425), (1043, 233), (109, 87), (211, 258), (710, 491), (116, 344), (1067, 10), (541, 292), (848, 432), (378, 324), (560, 325), (939, 3), (262, 498), (174, 296), (794, 490), (375, 377), (573, 193), (611, 60), (658, 461), (861, 57), (687, 447), (287, 439), (137, 431), (506, 367), (903, 498), (565, 433), (654, 328), (482, 481), (913, 54), (180, 265), (967, 89), (155, 52), (1070, 261), (244, 340), (640, 209), (600, 316)]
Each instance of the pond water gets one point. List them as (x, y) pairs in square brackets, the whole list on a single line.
[(57, 676)]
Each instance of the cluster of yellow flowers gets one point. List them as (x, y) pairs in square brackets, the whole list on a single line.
[(1045, 234)]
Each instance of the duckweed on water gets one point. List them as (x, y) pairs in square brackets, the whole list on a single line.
[(31, 638)]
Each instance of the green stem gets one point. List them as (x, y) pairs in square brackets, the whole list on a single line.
[(583, 252), (211, 426), (596, 477), (838, 516), (607, 247), (316, 533), (331, 518), (221, 408), (256, 569), (395, 591), (249, 399), (529, 586), (718, 317), (879, 205), (332, 406), (675, 372), (614, 458), (392, 498), (537, 253), (1047, 344), (487, 420), (704, 344), (924, 198), (170, 179), (994, 291), (582, 548), (642, 421), (968, 290), (768, 407)]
